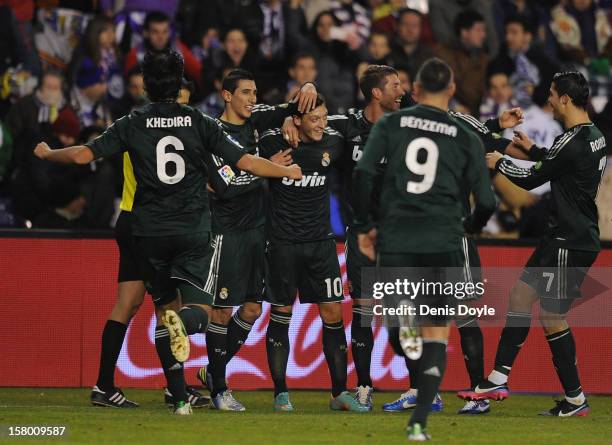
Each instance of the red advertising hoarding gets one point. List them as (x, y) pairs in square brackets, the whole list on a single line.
[(57, 293)]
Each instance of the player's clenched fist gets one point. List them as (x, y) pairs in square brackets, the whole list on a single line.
[(42, 150), (295, 172), (511, 118)]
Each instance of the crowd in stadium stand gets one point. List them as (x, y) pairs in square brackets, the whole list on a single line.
[(69, 68)]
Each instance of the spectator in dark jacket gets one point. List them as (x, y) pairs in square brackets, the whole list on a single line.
[(468, 59), (32, 178), (42, 107), (407, 50), (158, 35), (335, 61), (443, 15), (234, 53), (522, 57), (134, 96)]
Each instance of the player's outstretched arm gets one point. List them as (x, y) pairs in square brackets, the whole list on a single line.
[(264, 168), (78, 154), (529, 178)]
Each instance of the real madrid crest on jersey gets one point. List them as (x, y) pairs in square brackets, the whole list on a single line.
[(223, 293), (326, 160)]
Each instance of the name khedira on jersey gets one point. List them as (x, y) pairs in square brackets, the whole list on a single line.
[(314, 180), (428, 125), (168, 122)]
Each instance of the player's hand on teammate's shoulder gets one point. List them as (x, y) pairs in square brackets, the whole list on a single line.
[(511, 118), (283, 157), (367, 244), (295, 172), (290, 132), (307, 97), (492, 159), (521, 140), (42, 150)]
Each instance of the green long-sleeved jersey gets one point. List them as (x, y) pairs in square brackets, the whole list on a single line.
[(431, 157), (574, 166)]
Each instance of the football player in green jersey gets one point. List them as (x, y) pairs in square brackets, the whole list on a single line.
[(431, 156), (301, 254), (238, 228), (168, 144), (381, 87), (555, 271)]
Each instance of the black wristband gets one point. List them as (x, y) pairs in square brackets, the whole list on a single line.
[(493, 125), (497, 164)]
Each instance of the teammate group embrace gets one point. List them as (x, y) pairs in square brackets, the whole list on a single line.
[(203, 233)]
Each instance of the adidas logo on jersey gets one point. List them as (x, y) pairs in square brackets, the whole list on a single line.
[(313, 180)]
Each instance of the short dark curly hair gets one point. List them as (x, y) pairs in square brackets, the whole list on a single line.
[(575, 85), (375, 76), (434, 75), (163, 75)]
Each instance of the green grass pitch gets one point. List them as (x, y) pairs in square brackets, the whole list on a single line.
[(513, 421)]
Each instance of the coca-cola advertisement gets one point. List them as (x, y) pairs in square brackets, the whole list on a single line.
[(59, 304)]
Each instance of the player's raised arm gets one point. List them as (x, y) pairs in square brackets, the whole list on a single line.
[(108, 143), (265, 117), (480, 186), (221, 144), (264, 168), (489, 130), (78, 154), (529, 178)]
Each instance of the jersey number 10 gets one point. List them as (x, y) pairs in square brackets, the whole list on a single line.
[(426, 169), (164, 158)]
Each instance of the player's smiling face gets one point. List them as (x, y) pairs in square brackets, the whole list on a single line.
[(392, 93), (244, 98), (312, 125)]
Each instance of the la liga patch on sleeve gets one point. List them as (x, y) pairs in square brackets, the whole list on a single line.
[(226, 173)]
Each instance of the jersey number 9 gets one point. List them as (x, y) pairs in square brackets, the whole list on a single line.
[(426, 169), (164, 158)]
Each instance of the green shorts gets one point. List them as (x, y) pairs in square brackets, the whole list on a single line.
[(355, 260), (445, 267), (239, 267), (557, 274), (174, 266), (310, 268)]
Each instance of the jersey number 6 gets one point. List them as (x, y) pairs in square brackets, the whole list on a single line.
[(164, 158), (426, 169)]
